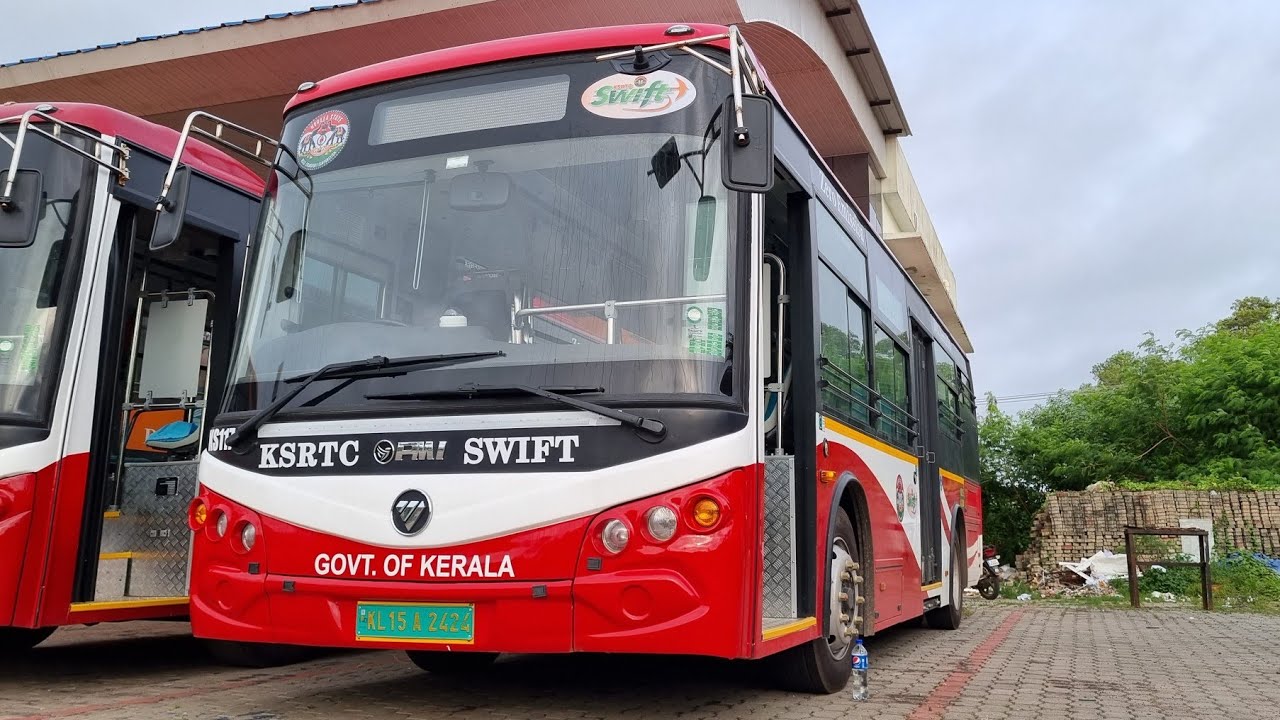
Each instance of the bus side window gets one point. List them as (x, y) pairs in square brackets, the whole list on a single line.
[(844, 346), (891, 384)]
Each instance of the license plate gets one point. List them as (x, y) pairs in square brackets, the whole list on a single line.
[(416, 622), (993, 563)]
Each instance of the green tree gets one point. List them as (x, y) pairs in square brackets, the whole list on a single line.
[(1203, 411), (1008, 501)]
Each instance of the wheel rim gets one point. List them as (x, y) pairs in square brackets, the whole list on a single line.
[(846, 586)]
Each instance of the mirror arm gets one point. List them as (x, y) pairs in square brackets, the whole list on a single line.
[(735, 44), (121, 150), (741, 136)]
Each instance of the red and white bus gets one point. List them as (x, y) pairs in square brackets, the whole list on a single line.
[(571, 342), (109, 353)]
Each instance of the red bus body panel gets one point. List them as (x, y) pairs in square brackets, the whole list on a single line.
[(691, 594)]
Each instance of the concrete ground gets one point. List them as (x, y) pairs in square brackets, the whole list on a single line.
[(1007, 661)]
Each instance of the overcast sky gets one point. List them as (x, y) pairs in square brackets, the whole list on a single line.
[(1095, 169)]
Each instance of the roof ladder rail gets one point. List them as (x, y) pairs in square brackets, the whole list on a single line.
[(120, 151), (253, 149)]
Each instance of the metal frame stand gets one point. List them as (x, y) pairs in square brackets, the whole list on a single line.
[(1206, 576)]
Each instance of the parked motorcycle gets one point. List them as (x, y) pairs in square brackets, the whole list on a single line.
[(989, 583)]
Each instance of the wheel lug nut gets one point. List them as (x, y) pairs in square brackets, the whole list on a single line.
[(844, 617), (844, 597)]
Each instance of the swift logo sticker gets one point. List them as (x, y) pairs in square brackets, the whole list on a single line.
[(627, 97)]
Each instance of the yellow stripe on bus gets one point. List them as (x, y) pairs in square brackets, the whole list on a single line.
[(115, 556), (868, 440), (952, 477), (125, 604), (927, 588), (111, 514), (797, 626)]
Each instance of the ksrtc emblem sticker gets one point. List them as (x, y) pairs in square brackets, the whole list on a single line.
[(323, 138)]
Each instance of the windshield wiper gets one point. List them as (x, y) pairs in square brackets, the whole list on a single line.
[(649, 426), (470, 390), (376, 366)]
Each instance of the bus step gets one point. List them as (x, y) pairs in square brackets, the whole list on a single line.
[(779, 538), (113, 575)]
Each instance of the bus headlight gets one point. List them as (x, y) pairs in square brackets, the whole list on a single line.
[(615, 535), (220, 521), (248, 535), (661, 521)]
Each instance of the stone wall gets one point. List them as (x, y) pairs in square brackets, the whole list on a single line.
[(1075, 525)]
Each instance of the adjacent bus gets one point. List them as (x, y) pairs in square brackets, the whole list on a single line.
[(110, 353), (572, 342)]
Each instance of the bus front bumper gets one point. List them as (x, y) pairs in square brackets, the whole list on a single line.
[(689, 595)]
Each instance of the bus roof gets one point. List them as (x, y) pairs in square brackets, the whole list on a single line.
[(551, 43), (137, 132)]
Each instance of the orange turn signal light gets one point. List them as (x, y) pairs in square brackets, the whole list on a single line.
[(199, 513), (706, 513)]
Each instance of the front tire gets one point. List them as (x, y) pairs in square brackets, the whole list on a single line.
[(14, 640), (823, 665), (949, 617), (439, 662)]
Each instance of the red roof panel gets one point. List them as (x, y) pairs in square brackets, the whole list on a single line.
[(599, 38), (142, 133)]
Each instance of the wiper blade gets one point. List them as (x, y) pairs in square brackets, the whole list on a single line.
[(376, 366), (649, 426), (470, 390)]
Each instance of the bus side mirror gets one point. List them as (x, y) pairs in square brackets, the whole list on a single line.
[(169, 220), (747, 161), (20, 208)]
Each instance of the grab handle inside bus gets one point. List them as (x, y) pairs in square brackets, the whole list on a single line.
[(704, 235)]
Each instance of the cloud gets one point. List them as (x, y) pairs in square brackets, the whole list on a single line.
[(1096, 170)]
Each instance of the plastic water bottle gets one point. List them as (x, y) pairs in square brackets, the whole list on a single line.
[(860, 667)]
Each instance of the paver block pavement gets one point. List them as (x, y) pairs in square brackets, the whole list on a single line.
[(1007, 661)]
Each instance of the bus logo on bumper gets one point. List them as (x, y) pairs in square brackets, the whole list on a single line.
[(384, 451), (411, 512)]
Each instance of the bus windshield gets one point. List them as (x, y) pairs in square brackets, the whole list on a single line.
[(568, 216), (35, 293)]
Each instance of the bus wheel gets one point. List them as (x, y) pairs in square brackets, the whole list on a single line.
[(254, 655), (16, 640), (823, 665), (451, 663), (948, 618)]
